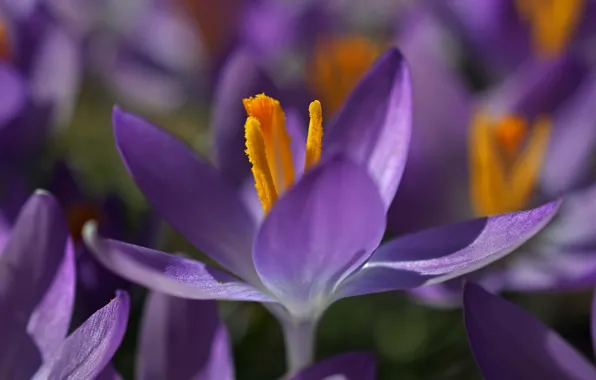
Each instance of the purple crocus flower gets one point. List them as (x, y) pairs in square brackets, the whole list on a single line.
[(528, 140), (36, 299), (505, 33), (509, 343), (185, 339), (318, 241)]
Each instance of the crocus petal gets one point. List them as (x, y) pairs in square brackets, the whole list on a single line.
[(56, 73), (323, 227), (86, 352), (169, 274), (13, 94), (572, 144), (509, 343), (443, 253), (183, 339), (296, 130), (573, 225), (19, 8), (240, 78), (437, 157), (51, 319), (375, 123), (188, 193), (28, 265), (352, 366)]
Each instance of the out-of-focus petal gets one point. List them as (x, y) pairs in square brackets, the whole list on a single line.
[(443, 253), (19, 8), (551, 268), (13, 94), (573, 225), (573, 142), (375, 123), (490, 28), (169, 274), (183, 339), (86, 352), (50, 321), (240, 78), (509, 343), (536, 88), (56, 73), (438, 156), (323, 228), (188, 193), (352, 366)]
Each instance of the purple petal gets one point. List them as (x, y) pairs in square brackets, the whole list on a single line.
[(86, 352), (438, 156), (56, 73), (572, 142), (19, 8), (28, 264), (443, 253), (492, 29), (573, 225), (296, 131), (50, 321), (169, 274), (375, 123), (13, 94), (183, 339), (322, 228), (240, 78), (551, 268), (537, 87), (352, 366), (509, 343), (187, 193)]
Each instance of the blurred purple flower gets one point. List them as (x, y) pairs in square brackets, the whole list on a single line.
[(47, 58), (147, 54), (538, 132), (505, 33), (319, 241), (509, 343), (185, 339), (36, 299)]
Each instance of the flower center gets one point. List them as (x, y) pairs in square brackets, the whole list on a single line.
[(505, 159), (268, 146), (552, 23), (338, 64), (80, 214)]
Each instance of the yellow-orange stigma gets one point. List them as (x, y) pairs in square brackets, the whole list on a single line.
[(338, 64), (552, 23), (268, 146), (506, 157)]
